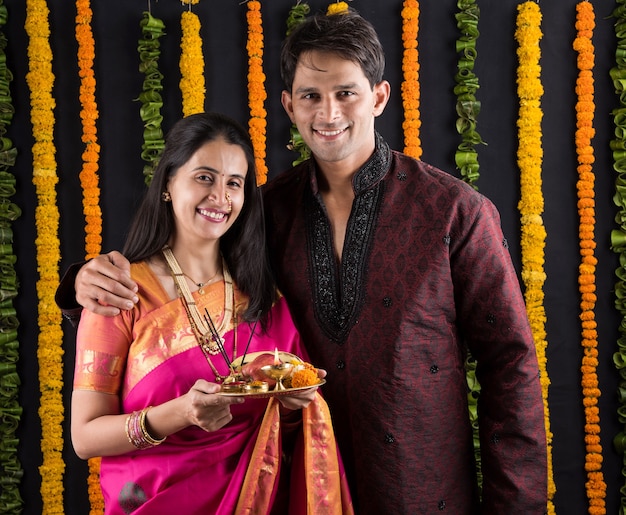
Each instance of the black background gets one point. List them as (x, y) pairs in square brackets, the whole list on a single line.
[(116, 31)]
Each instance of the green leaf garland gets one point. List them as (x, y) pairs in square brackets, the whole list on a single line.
[(467, 107), (466, 159), (151, 101), (618, 236), (10, 468), (297, 14)]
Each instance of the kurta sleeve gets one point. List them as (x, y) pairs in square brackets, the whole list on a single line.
[(494, 323)]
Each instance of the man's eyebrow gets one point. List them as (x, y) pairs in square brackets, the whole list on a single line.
[(338, 87)]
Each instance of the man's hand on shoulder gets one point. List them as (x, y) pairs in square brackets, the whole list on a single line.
[(103, 285)]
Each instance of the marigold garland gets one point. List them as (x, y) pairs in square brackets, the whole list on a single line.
[(40, 81), (151, 102), (336, 8), (467, 106), (410, 88), (89, 115), (530, 158), (585, 108), (89, 175), (11, 471), (618, 236), (192, 85), (256, 88)]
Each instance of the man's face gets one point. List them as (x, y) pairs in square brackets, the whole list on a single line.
[(334, 107)]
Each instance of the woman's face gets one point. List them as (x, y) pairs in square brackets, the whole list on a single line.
[(208, 191)]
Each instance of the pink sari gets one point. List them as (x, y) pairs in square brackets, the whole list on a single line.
[(149, 356)]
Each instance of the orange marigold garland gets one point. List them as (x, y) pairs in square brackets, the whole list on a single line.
[(530, 158), (256, 88), (192, 85), (89, 179), (410, 88), (40, 81), (585, 108), (89, 115)]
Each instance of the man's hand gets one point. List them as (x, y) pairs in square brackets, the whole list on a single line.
[(103, 285)]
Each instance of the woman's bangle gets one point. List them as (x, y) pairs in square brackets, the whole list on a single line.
[(137, 432)]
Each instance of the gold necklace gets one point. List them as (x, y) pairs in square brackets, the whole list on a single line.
[(202, 285), (199, 327)]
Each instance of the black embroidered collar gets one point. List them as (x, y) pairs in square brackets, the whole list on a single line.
[(369, 174), (339, 289)]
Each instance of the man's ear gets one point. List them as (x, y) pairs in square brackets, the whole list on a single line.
[(382, 92), (285, 99)]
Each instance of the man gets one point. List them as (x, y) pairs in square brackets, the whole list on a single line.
[(392, 269)]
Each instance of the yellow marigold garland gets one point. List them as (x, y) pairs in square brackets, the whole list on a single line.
[(256, 88), (410, 88), (585, 108), (530, 157), (336, 8), (192, 85), (40, 81)]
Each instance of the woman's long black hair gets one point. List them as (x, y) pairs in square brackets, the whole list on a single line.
[(243, 246)]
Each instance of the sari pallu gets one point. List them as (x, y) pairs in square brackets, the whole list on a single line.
[(148, 356)]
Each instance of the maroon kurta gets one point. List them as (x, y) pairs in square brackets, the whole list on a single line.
[(425, 272)]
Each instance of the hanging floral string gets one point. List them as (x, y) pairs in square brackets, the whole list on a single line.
[(410, 88), (585, 108), (11, 471), (336, 8), (149, 50), (297, 14), (467, 106), (89, 176), (89, 115), (192, 85), (40, 81), (530, 158), (618, 236), (256, 88)]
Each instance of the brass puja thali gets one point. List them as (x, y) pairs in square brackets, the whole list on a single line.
[(270, 374)]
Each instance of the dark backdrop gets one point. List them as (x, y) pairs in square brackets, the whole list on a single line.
[(116, 31)]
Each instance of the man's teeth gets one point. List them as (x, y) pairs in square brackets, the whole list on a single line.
[(330, 133)]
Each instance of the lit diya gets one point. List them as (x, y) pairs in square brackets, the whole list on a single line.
[(278, 371)]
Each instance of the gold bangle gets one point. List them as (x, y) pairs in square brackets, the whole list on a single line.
[(147, 437)]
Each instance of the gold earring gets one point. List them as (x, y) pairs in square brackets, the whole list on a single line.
[(230, 202), (166, 197)]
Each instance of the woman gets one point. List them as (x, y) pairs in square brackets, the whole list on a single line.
[(146, 388)]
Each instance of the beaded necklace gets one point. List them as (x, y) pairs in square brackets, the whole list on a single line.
[(204, 336)]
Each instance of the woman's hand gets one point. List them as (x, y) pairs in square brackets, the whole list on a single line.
[(301, 398), (206, 409)]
